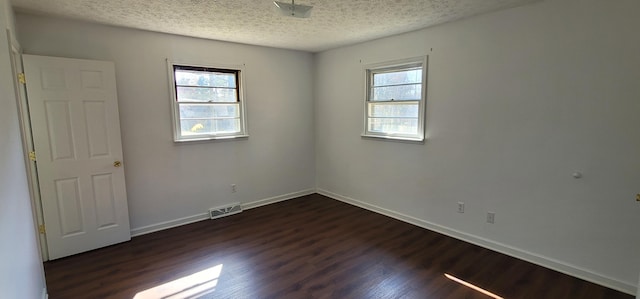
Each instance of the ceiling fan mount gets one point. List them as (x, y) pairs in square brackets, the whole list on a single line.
[(293, 10)]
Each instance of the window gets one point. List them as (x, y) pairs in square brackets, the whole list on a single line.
[(207, 103), (395, 100)]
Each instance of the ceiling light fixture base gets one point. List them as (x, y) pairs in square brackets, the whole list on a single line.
[(293, 10)]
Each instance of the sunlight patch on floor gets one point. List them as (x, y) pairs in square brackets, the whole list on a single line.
[(192, 286), (472, 286)]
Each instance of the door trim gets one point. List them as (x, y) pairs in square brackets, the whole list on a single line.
[(27, 146)]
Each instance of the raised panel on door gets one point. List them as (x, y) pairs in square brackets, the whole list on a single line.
[(104, 200), (76, 131), (97, 134), (53, 78), (58, 118), (69, 207)]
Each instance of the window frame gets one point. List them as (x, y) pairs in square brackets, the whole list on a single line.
[(391, 66), (238, 70)]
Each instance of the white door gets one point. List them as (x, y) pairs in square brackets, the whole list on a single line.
[(76, 134)]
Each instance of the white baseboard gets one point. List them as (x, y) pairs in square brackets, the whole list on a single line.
[(203, 216), (495, 246), (168, 224), (279, 198)]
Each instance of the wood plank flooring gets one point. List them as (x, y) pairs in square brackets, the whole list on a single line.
[(309, 247)]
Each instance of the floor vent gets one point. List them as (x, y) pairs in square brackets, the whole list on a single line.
[(231, 209)]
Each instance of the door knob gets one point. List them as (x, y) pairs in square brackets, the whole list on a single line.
[(117, 164)]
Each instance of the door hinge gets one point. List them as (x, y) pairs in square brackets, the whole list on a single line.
[(41, 229), (22, 79), (32, 156)]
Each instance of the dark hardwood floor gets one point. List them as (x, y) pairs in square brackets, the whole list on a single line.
[(309, 247)]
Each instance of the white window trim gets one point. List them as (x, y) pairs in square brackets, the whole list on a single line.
[(422, 104), (175, 112)]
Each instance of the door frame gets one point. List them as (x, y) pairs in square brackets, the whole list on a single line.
[(24, 120)]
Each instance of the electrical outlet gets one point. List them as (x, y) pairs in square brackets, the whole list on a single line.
[(233, 188), (491, 217), (460, 207)]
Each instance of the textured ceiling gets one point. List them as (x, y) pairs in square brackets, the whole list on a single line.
[(333, 23)]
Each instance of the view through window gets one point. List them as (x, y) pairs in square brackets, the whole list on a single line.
[(208, 103), (395, 100)]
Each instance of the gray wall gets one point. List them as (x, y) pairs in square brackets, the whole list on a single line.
[(518, 100)]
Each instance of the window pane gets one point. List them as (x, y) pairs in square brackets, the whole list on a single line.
[(208, 111), (411, 92), (206, 94), (400, 77), (191, 127), (393, 110), (205, 78), (393, 125)]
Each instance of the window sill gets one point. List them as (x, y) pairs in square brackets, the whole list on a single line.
[(211, 139), (394, 138)]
